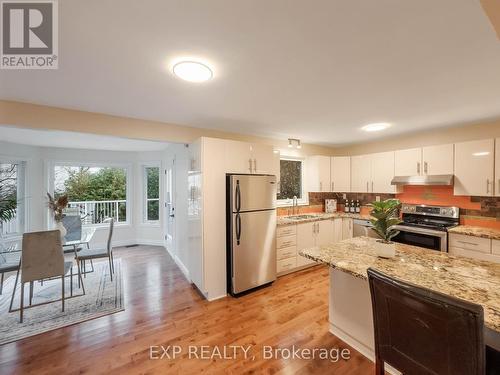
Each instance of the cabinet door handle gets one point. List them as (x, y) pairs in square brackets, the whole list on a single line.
[(418, 167), (320, 186), (255, 165), (333, 186), (367, 189), (488, 186), (317, 224), (426, 167), (372, 186), (250, 165), (468, 243)]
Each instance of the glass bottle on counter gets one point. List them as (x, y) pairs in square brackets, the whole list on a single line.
[(346, 205), (352, 209), (358, 207)]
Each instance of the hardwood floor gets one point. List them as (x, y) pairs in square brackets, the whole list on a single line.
[(162, 308)]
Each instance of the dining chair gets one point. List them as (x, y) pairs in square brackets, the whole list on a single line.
[(89, 254), (42, 258), (9, 262), (419, 331)]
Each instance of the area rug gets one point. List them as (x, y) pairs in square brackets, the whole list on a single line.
[(103, 297)]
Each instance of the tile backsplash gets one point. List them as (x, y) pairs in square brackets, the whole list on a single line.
[(477, 211)]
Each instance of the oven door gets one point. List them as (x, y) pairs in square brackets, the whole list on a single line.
[(427, 238)]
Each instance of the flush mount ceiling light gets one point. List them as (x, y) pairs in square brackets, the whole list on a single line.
[(192, 71), (482, 153), (376, 127), (294, 142)]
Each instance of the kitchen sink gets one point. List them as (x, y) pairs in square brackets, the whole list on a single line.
[(301, 217)]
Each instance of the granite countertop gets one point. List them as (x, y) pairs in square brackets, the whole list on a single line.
[(286, 220), (483, 232), (469, 279)]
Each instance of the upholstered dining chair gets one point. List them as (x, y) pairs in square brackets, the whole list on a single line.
[(89, 254), (419, 331), (42, 258)]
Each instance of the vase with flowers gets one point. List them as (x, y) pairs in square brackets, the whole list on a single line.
[(57, 206)]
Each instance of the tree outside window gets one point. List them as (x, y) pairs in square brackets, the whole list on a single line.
[(152, 196)]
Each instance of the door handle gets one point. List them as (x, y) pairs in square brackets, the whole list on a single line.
[(333, 185), (238, 196), (372, 186), (255, 165), (320, 186), (426, 167), (250, 165), (367, 188), (238, 228), (488, 186), (418, 167)]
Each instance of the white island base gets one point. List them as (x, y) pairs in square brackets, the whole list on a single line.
[(350, 316)]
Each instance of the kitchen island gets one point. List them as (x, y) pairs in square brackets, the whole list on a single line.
[(350, 312)]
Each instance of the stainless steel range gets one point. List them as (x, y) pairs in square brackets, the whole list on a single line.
[(427, 226)]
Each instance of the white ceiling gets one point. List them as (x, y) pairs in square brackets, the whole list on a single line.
[(315, 70), (62, 139)]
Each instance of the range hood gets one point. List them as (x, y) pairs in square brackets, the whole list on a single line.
[(442, 180)]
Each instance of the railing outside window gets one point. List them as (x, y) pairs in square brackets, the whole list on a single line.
[(95, 212)]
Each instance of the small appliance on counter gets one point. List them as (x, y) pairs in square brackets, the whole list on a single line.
[(330, 206)]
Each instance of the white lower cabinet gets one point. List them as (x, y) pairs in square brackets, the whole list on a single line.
[(291, 239), (474, 247)]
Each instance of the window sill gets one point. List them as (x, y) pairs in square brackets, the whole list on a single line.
[(150, 224), (290, 204)]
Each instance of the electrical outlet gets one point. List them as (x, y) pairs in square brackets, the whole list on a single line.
[(377, 198), (344, 196)]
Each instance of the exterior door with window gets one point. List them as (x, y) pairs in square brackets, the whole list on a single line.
[(170, 204)]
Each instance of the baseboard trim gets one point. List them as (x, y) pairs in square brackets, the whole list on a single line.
[(359, 346)]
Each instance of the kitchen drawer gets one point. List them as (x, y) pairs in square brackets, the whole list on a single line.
[(286, 252), (284, 265), (482, 245), (287, 230), (282, 242), (474, 254), (495, 247)]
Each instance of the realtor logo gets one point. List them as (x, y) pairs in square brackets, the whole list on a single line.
[(29, 34)]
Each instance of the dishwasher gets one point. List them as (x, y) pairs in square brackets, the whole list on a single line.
[(362, 227)]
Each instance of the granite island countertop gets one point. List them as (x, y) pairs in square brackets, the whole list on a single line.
[(469, 279), (288, 220), (468, 230)]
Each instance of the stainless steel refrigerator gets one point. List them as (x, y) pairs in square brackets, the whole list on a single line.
[(251, 231)]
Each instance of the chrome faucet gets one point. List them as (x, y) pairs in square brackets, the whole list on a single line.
[(295, 205)]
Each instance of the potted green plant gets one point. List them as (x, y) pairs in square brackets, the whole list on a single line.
[(384, 218), (8, 195)]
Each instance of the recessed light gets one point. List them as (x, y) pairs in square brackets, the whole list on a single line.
[(483, 153), (192, 71), (376, 127)]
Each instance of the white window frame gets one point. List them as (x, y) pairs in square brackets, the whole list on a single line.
[(304, 201), (22, 196), (145, 198), (128, 167)]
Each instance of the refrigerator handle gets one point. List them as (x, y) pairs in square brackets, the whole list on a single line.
[(238, 196), (238, 228)]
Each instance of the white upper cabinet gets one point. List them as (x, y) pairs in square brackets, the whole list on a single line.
[(437, 160), (497, 168), (474, 168), (361, 173), (408, 162), (318, 168), (262, 157), (382, 173), (242, 157), (238, 157), (341, 174)]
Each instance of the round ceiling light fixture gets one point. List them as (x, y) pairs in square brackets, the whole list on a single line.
[(192, 71), (376, 127)]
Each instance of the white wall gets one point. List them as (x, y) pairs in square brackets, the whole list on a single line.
[(40, 159)]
